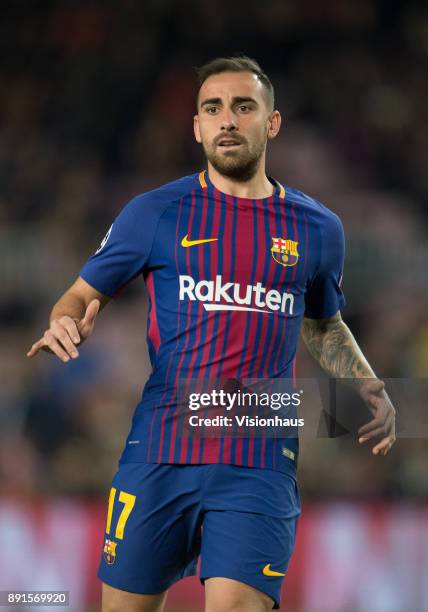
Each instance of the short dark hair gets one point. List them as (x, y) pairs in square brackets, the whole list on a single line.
[(238, 63)]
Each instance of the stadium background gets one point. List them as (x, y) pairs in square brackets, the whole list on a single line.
[(96, 105)]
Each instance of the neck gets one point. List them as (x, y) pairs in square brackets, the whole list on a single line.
[(257, 188)]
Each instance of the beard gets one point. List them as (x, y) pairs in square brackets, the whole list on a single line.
[(239, 165)]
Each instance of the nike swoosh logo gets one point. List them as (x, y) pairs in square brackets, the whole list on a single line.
[(188, 243), (268, 572)]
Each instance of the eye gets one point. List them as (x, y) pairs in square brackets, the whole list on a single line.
[(211, 110), (243, 108)]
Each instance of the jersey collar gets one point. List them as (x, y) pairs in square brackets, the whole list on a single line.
[(279, 189)]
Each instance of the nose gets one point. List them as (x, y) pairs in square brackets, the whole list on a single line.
[(229, 123)]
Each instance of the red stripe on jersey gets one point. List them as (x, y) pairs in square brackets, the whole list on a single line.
[(153, 331), (261, 247), (241, 240), (263, 452), (253, 367), (265, 356), (211, 448), (233, 348), (249, 366), (264, 324), (227, 321)]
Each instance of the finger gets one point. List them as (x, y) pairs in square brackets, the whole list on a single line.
[(61, 334), (384, 446), (380, 420), (86, 324), (71, 327), (55, 346), (91, 312), (37, 346), (381, 429), (370, 426)]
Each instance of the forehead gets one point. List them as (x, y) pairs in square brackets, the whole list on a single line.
[(227, 85)]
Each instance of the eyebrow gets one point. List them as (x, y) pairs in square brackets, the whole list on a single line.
[(235, 100)]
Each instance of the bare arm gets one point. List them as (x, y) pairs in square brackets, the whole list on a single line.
[(76, 299), (71, 321), (331, 343)]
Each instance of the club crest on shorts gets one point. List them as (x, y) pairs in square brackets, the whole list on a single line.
[(110, 551), (284, 251)]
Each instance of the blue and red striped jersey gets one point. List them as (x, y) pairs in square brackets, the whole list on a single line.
[(229, 281)]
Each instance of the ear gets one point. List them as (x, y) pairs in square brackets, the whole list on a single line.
[(274, 124), (196, 129)]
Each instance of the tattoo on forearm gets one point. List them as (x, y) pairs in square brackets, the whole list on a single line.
[(335, 348)]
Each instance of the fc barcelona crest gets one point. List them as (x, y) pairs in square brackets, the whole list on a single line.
[(284, 251), (110, 551)]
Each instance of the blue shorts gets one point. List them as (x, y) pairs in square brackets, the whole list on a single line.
[(241, 522)]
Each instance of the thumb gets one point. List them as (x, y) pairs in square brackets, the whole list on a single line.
[(90, 314)]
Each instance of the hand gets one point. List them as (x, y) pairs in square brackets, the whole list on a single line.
[(65, 333), (373, 393)]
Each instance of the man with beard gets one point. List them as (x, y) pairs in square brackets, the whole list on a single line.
[(236, 265)]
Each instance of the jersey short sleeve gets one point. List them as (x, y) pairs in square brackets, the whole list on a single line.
[(125, 249), (324, 296)]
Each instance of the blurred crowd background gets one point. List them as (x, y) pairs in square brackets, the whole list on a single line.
[(96, 105)]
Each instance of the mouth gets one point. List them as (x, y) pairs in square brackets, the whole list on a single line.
[(229, 144)]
